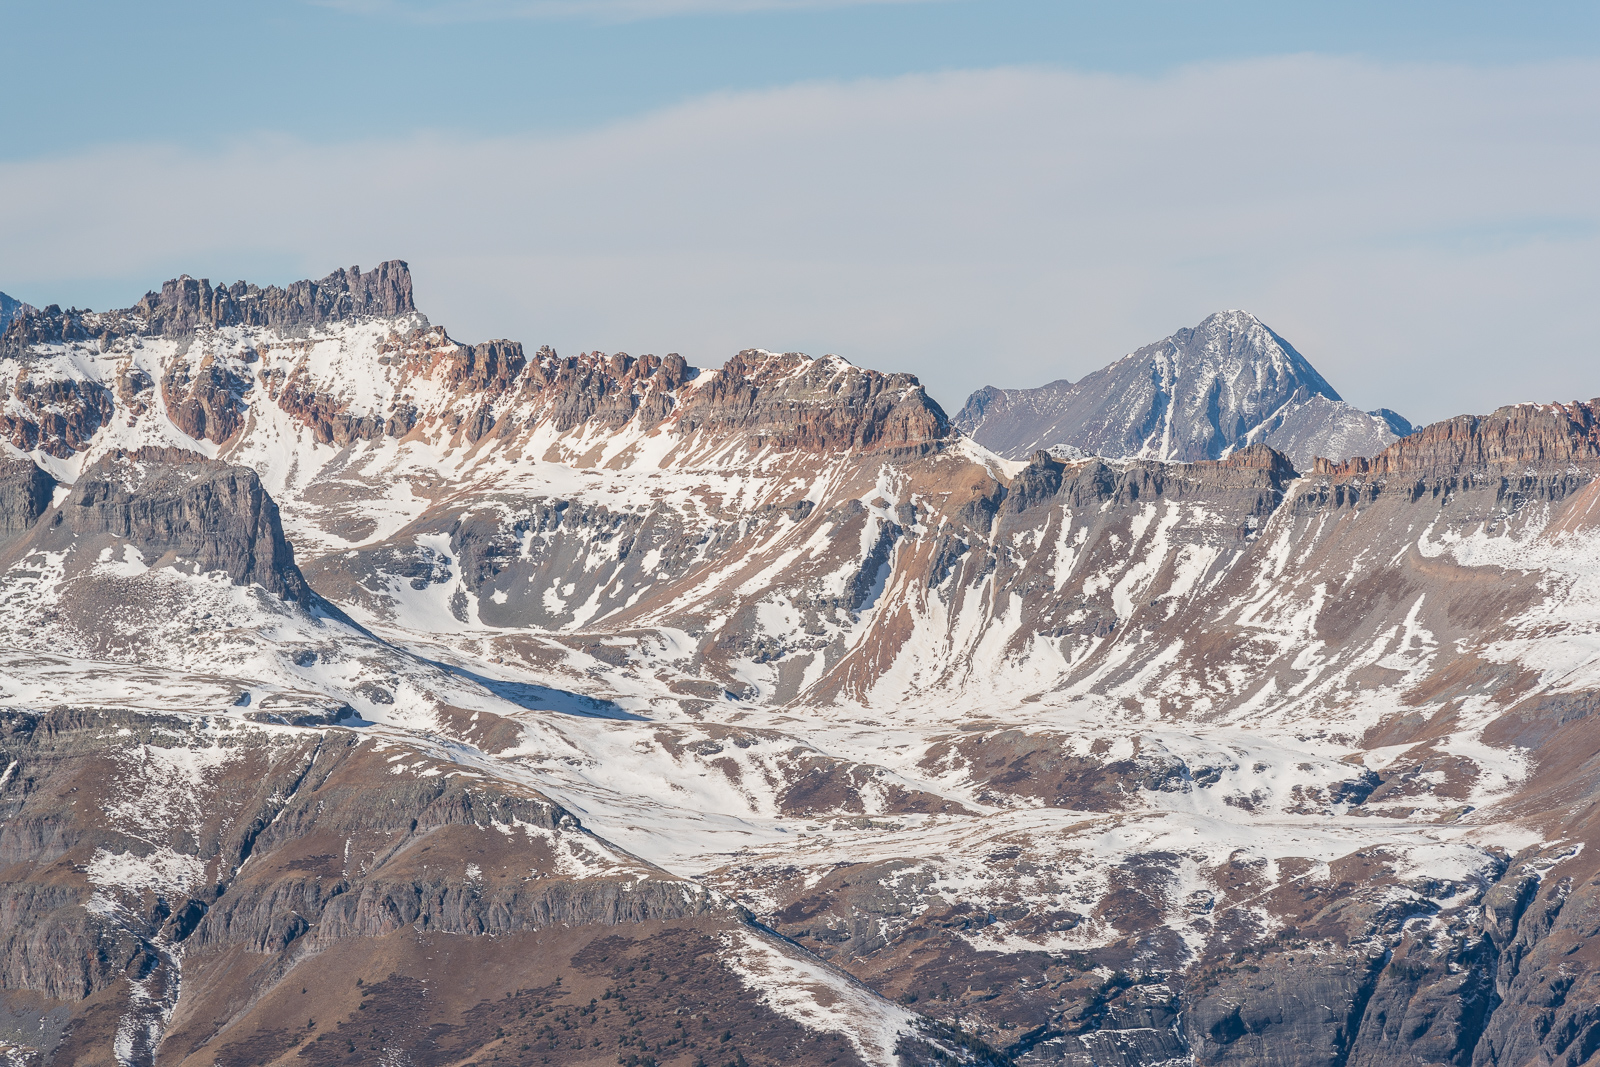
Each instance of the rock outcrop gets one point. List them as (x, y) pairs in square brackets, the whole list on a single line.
[(177, 506), (56, 414), (209, 406), (25, 492), (1546, 438), (185, 304), (793, 402), (601, 390)]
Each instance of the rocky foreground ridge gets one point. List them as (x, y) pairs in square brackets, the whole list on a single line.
[(372, 695)]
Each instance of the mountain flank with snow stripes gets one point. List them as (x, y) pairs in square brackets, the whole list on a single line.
[(1198, 394)]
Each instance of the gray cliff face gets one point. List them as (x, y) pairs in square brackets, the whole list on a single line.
[(185, 304), (1313, 426), (1501, 973), (171, 507), (1228, 382), (25, 492), (299, 847), (1398, 424)]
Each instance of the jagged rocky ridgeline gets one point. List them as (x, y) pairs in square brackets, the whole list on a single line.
[(376, 694), (1198, 394), (184, 305)]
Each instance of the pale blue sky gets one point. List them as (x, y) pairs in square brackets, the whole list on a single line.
[(81, 73), (1001, 192)]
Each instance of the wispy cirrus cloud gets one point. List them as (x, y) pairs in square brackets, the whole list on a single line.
[(585, 10), (1428, 235)]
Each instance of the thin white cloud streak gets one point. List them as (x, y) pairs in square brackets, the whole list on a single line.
[(442, 11), (1428, 236)]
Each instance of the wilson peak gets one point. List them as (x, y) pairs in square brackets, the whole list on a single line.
[(1198, 394)]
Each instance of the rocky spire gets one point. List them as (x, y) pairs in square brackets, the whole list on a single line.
[(184, 303)]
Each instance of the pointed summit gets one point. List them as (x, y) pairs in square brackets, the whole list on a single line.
[(1237, 339), (1226, 383)]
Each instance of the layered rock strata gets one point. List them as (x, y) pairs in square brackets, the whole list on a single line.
[(170, 507)]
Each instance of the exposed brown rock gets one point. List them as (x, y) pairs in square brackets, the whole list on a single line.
[(487, 368), (208, 407), (792, 402), (327, 417), (60, 415), (1543, 437), (604, 390)]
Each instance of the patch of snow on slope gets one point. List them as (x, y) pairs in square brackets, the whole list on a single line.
[(1559, 635), (163, 869), (818, 997)]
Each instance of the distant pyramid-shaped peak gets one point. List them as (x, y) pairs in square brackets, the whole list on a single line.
[(1228, 345), (1200, 393)]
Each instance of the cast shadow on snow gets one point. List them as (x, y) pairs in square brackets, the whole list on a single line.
[(543, 698)]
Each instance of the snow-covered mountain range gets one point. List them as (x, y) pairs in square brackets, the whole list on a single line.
[(1199, 394), (372, 696)]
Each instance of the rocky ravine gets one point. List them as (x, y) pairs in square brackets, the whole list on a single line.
[(766, 682)]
